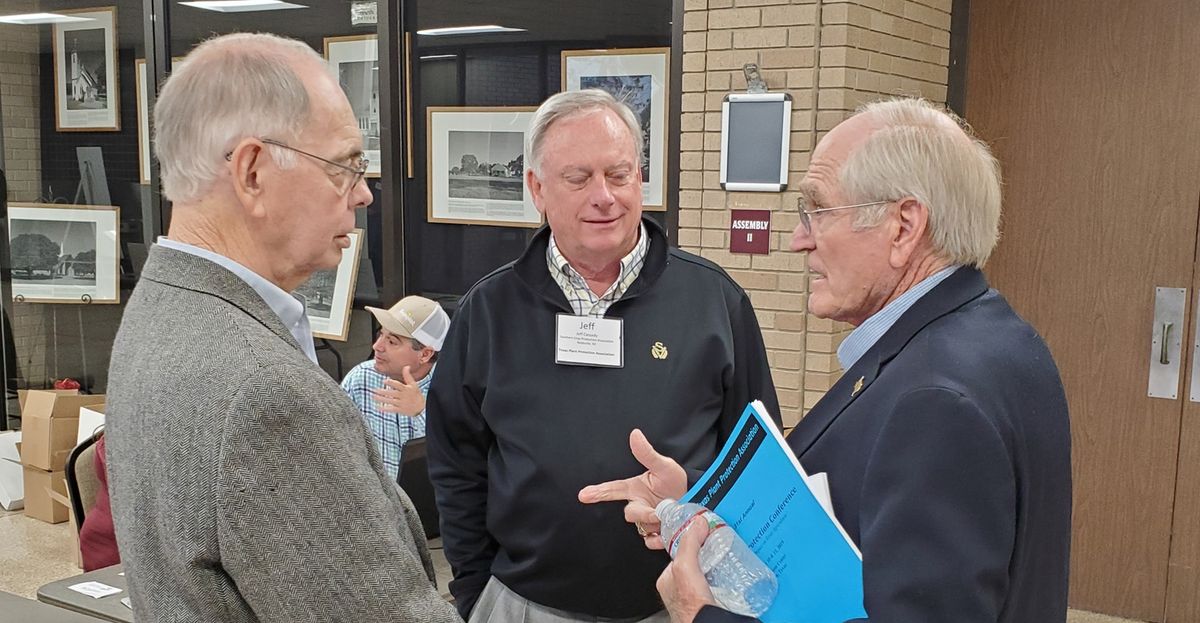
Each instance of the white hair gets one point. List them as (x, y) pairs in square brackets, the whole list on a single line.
[(228, 88), (568, 104), (930, 154)]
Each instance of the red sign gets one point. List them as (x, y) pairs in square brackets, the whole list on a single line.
[(750, 232)]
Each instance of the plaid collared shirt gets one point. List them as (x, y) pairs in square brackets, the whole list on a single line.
[(575, 287), (390, 430)]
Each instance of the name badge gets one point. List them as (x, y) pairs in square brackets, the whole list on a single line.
[(588, 341)]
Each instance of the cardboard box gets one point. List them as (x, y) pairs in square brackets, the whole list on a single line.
[(12, 480), (38, 502), (50, 424), (22, 393), (66, 502)]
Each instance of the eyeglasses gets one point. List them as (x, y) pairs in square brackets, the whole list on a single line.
[(806, 215), (349, 175)]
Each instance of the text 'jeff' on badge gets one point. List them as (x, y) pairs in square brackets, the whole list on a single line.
[(589, 341)]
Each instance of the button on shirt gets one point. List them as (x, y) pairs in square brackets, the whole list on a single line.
[(390, 430), (289, 307), (862, 338), (583, 301)]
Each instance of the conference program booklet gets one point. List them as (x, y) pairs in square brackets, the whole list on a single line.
[(759, 488)]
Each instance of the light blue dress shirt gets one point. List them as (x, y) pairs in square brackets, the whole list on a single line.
[(391, 430), (289, 307), (862, 338)]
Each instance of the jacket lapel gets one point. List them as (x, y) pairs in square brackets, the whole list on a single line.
[(190, 272), (965, 285)]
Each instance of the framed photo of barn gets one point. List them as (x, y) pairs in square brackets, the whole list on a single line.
[(476, 165), (638, 77), (64, 253), (329, 293), (86, 93)]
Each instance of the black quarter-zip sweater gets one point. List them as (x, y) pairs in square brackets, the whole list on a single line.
[(513, 436)]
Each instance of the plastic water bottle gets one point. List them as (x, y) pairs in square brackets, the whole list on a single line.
[(740, 582)]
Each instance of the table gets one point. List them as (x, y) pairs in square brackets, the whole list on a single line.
[(17, 608), (108, 608)]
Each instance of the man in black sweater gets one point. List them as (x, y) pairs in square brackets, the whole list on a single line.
[(598, 328)]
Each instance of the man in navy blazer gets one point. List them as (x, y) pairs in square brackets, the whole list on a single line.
[(946, 441)]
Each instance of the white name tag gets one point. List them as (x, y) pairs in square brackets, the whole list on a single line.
[(588, 341)]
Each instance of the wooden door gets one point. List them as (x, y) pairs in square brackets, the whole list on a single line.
[(1183, 578), (1091, 108)]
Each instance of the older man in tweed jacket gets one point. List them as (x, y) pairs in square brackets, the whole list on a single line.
[(244, 485)]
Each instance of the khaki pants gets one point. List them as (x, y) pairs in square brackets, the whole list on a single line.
[(498, 604)]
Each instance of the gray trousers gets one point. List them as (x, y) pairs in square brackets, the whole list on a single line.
[(498, 604)]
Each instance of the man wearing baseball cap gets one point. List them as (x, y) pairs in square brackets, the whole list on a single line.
[(390, 389)]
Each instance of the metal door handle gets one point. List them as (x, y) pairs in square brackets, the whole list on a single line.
[(1163, 358), (1166, 343)]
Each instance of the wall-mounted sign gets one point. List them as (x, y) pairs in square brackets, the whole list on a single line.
[(755, 138), (750, 232), (363, 13)]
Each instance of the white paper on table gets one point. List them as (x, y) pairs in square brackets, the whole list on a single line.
[(94, 589)]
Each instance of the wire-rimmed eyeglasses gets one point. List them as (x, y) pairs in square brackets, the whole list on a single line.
[(806, 214), (349, 175)]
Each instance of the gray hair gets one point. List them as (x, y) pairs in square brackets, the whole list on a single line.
[(418, 345), (570, 103), (930, 154), (228, 88)]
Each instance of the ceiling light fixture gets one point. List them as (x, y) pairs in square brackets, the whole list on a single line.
[(242, 6), (468, 30), (27, 19)]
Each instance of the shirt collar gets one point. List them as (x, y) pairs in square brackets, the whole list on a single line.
[(289, 307), (424, 381), (863, 337), (559, 261), (566, 275)]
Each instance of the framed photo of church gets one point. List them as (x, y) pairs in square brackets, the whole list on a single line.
[(329, 293), (63, 253), (355, 61), (476, 166), (86, 93), (639, 78)]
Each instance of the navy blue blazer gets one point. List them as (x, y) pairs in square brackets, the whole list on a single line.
[(948, 450)]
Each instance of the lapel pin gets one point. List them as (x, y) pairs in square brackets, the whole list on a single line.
[(858, 385), (658, 351)]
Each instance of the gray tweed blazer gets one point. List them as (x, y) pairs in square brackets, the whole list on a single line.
[(244, 484)]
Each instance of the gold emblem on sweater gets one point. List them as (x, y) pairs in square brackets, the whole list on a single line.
[(658, 351), (858, 385)]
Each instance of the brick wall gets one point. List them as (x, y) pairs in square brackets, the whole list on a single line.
[(21, 118), (831, 56), (19, 80)]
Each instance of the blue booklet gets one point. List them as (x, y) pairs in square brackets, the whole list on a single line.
[(758, 487)]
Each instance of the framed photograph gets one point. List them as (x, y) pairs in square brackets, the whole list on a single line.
[(476, 166), (86, 93), (408, 107), (638, 77), (355, 62), (329, 293), (64, 253), (142, 83)]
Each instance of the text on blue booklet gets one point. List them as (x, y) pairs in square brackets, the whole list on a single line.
[(759, 488)]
